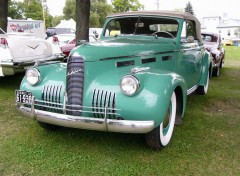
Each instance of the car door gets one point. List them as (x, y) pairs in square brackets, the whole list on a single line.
[(190, 56)]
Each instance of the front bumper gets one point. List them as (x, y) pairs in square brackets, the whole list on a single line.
[(90, 123)]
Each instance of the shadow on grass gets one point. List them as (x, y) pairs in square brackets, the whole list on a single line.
[(11, 82)]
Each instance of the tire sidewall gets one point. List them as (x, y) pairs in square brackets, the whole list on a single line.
[(205, 89), (166, 134)]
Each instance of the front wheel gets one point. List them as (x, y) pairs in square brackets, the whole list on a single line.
[(161, 136)]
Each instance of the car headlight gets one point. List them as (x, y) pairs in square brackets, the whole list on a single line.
[(129, 85), (32, 76)]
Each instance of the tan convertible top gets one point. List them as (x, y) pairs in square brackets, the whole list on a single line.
[(184, 15)]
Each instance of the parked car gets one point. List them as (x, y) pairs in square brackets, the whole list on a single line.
[(51, 31), (67, 48), (227, 41), (212, 42), (67, 42), (61, 39), (19, 50), (134, 82)]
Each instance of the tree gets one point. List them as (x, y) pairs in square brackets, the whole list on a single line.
[(3, 14), (126, 5), (82, 19), (98, 11), (189, 8)]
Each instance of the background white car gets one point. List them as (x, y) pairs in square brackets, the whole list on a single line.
[(19, 50)]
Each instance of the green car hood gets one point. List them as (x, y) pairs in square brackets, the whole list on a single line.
[(123, 48)]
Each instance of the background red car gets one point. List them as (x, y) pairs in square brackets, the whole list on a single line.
[(212, 42)]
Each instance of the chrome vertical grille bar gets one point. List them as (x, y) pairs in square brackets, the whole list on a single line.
[(103, 101)]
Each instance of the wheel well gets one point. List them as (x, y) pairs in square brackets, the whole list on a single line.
[(179, 96)]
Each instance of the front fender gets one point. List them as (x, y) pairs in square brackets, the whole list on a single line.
[(152, 100), (51, 75)]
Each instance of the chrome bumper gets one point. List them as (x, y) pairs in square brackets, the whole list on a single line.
[(111, 125), (22, 64)]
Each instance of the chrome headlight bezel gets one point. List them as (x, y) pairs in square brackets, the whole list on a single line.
[(129, 85), (32, 76)]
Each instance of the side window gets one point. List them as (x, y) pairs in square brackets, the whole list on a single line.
[(113, 28), (188, 31), (191, 30)]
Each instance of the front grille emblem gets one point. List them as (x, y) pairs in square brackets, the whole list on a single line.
[(73, 72)]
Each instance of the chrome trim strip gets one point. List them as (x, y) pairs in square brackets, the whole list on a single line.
[(139, 69), (137, 55), (191, 90), (123, 126)]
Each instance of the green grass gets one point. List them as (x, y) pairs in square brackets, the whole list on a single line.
[(207, 142)]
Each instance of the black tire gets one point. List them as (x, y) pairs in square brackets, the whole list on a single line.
[(202, 90), (161, 136), (215, 72), (222, 63), (48, 127)]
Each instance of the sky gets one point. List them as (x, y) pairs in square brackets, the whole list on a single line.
[(201, 8)]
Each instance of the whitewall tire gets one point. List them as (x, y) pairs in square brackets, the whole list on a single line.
[(161, 136)]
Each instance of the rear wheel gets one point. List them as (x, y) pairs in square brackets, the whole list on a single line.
[(215, 71), (48, 127), (161, 136)]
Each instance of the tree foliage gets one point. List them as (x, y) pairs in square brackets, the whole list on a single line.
[(126, 5), (15, 9), (189, 8), (56, 20), (98, 11), (69, 10), (29, 9)]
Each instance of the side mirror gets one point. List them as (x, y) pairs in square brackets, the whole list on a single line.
[(190, 39)]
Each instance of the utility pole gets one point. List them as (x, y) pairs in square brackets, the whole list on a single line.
[(43, 3), (158, 4)]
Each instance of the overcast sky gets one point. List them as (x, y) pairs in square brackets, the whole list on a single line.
[(201, 8)]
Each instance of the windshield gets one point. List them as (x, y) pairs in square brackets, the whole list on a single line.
[(209, 38), (161, 27)]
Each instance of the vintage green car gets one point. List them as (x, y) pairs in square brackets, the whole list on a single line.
[(135, 79)]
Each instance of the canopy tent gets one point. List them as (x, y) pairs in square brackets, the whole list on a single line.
[(67, 24)]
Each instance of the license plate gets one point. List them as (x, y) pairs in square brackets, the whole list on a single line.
[(23, 97)]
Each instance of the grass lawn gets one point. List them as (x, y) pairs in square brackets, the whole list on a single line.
[(207, 142)]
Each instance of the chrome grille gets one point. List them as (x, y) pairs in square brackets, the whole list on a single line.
[(101, 101), (51, 96)]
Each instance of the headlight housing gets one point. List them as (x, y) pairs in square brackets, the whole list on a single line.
[(32, 76), (129, 85)]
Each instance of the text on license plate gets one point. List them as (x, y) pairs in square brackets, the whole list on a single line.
[(23, 96)]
